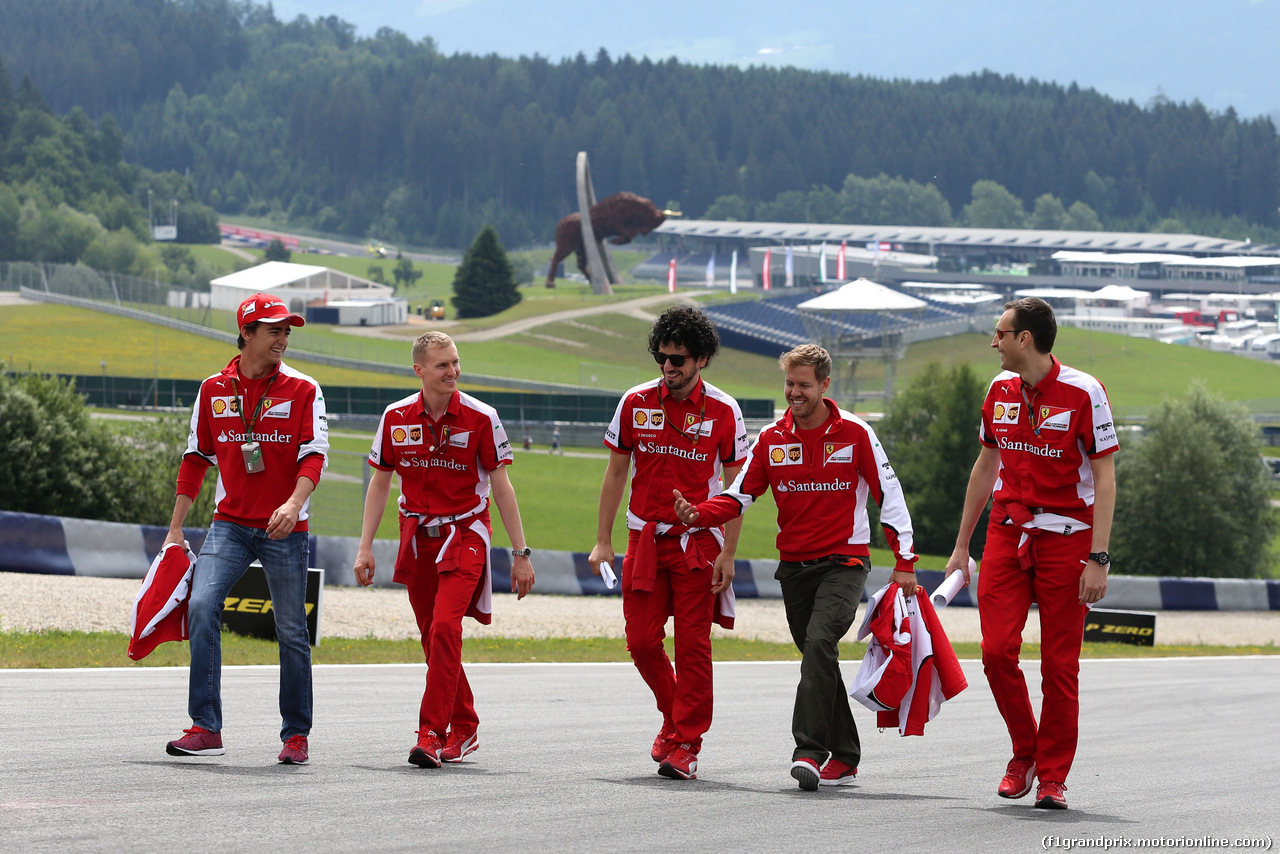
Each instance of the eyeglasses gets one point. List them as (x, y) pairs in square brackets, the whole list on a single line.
[(677, 361), (1000, 333)]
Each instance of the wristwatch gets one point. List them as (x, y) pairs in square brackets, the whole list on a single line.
[(1100, 558), (525, 552)]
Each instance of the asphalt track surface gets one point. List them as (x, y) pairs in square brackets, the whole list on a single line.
[(1169, 748)]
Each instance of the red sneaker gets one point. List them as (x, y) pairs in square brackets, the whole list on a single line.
[(680, 764), (458, 746), (295, 751), (426, 753), (1018, 778), (1051, 796), (664, 743), (836, 773), (805, 771), (196, 742)]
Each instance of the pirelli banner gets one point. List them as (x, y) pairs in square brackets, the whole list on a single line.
[(248, 610), (1134, 627)]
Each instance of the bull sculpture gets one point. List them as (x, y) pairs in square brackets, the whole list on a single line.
[(620, 218)]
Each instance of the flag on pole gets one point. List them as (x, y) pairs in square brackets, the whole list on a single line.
[(791, 269), (822, 263), (768, 262), (840, 264), (733, 273), (671, 277), (711, 271)]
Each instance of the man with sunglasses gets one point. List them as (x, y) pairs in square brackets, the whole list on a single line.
[(680, 432), (1047, 437)]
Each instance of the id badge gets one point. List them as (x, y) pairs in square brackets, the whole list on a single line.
[(252, 457)]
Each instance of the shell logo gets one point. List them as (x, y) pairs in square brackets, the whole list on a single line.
[(398, 434), (777, 455), (999, 411), (219, 407), (641, 418)]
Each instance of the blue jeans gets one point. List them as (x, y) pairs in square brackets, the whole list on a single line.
[(224, 557)]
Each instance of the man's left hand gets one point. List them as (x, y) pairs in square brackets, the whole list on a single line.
[(1093, 583), (721, 573), (282, 522), (521, 576)]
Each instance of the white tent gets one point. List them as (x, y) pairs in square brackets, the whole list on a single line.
[(296, 284), (862, 295), (1122, 293)]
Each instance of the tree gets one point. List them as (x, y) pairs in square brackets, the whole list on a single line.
[(1194, 495), (55, 461), (1048, 214), (277, 251), (1081, 217), (405, 274), (930, 435), (485, 283), (994, 207)]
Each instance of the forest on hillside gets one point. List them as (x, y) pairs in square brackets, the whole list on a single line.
[(303, 122), (67, 195)]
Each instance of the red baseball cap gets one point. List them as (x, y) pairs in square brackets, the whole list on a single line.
[(263, 308)]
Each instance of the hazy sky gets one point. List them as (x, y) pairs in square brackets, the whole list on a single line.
[(1221, 52)]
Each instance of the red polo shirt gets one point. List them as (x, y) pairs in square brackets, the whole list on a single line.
[(443, 465), (675, 444), (1047, 433)]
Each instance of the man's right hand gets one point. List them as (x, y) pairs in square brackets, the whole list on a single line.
[(959, 562), (601, 553), (684, 510), (364, 567)]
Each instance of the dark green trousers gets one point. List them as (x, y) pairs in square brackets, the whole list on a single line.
[(821, 601)]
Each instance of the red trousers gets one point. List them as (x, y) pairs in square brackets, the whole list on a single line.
[(1005, 595), (440, 600), (683, 693)]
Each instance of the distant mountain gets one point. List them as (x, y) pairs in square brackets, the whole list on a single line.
[(1220, 52), (306, 121)]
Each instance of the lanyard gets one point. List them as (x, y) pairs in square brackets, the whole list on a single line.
[(257, 413), (1031, 414), (697, 431), (441, 443)]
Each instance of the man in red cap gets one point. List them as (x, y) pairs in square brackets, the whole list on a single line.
[(263, 425)]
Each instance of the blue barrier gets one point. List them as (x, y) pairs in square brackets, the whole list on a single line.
[(63, 546)]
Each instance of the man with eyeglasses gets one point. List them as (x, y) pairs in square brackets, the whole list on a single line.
[(684, 433), (1047, 437)]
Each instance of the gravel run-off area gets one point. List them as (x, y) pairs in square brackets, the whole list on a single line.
[(34, 602)]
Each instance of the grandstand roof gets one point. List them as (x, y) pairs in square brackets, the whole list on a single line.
[(784, 232), (1119, 258), (862, 295)]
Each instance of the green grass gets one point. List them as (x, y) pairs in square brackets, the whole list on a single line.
[(61, 649), (61, 339)]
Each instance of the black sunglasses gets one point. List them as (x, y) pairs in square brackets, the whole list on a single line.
[(677, 361)]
